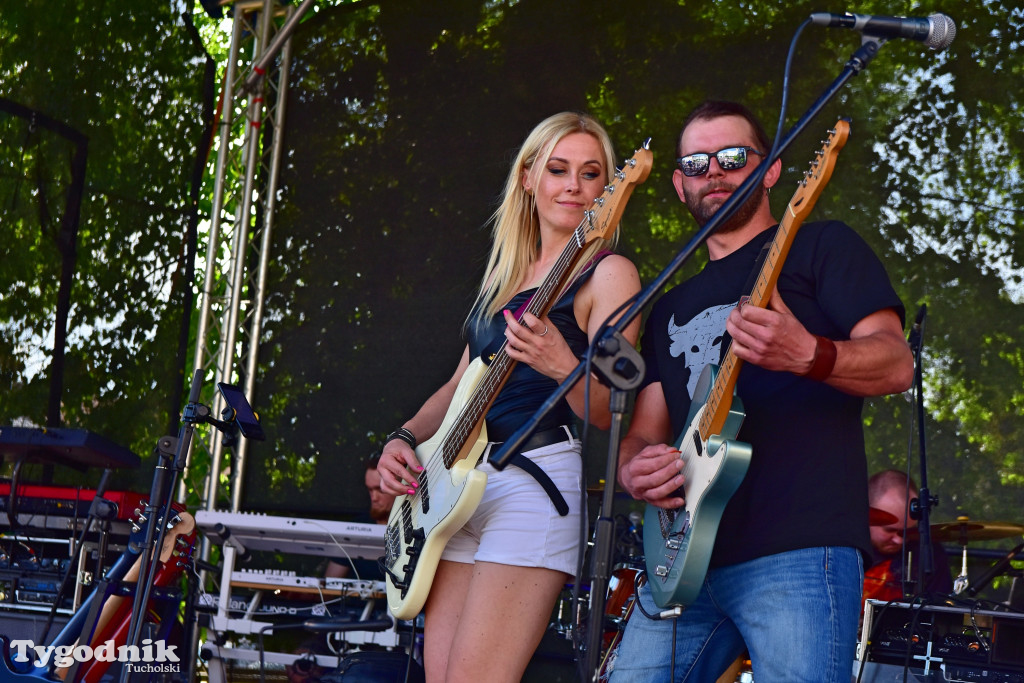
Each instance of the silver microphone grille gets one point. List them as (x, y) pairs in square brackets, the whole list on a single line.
[(942, 33)]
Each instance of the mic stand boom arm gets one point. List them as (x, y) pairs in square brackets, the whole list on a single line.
[(620, 374)]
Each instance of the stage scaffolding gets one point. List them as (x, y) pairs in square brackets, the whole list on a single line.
[(238, 244)]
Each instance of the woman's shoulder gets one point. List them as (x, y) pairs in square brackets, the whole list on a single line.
[(616, 267)]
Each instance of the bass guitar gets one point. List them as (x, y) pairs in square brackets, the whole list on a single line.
[(678, 543), (450, 488)]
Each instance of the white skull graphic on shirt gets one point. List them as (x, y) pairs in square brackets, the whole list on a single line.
[(699, 341)]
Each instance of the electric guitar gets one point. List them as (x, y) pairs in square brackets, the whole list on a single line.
[(450, 488), (678, 543), (115, 611), (115, 616)]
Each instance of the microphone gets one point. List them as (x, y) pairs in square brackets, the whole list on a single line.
[(936, 31), (920, 316), (995, 570), (635, 520), (227, 538), (633, 535), (915, 331)]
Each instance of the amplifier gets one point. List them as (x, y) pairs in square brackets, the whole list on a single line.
[(953, 642), (32, 569)]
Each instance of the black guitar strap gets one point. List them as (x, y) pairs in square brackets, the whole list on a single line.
[(520, 460), (538, 473)]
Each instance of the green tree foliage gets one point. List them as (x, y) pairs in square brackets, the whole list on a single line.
[(401, 122), (128, 79)]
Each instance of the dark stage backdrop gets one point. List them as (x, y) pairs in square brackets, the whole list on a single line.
[(403, 117), (396, 160)]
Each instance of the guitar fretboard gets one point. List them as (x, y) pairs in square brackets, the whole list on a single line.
[(810, 187)]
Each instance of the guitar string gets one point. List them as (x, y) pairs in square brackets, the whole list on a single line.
[(444, 457), (731, 363), (462, 430)]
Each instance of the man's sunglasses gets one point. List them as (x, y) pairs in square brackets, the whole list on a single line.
[(729, 159)]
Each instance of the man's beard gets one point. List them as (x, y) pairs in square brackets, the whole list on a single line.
[(703, 213), (380, 513)]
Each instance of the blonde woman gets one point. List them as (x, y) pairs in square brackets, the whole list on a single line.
[(499, 576)]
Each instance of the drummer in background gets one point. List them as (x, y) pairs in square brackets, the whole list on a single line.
[(380, 509), (890, 491)]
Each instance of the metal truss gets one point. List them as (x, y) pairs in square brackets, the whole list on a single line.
[(238, 245)]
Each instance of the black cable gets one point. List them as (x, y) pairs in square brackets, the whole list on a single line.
[(412, 652), (76, 551)]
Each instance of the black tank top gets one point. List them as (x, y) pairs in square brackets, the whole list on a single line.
[(526, 388)]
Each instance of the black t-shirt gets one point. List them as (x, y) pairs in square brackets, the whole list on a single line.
[(807, 481)]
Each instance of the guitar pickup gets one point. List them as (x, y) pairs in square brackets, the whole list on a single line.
[(424, 491), (661, 571), (673, 543)]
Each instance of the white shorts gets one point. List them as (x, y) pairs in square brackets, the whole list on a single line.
[(516, 522)]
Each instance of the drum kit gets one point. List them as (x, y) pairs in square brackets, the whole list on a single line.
[(962, 532), (569, 620)]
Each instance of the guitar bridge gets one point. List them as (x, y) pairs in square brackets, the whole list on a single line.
[(666, 520)]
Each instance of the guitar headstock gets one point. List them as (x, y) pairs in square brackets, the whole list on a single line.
[(817, 177), (601, 220), (180, 532)]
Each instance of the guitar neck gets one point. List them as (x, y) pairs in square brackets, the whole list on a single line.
[(720, 399), (810, 187), (501, 364), (599, 222)]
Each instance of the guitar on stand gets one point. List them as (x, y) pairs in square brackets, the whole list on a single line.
[(114, 618), (678, 543), (450, 488), (104, 615)]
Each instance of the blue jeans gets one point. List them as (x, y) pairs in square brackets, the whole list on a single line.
[(796, 614)]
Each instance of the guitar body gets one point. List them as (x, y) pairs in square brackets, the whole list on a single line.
[(421, 524), (678, 543), (112, 622)]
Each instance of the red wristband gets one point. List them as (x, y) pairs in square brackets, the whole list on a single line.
[(824, 359)]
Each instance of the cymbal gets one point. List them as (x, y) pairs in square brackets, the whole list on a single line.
[(878, 517), (964, 530)]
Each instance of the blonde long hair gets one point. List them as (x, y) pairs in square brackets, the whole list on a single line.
[(516, 226)]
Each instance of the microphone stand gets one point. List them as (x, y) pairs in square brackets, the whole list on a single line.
[(604, 353), (173, 454), (920, 508)]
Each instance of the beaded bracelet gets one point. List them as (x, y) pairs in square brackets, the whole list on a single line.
[(824, 359), (403, 434)]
